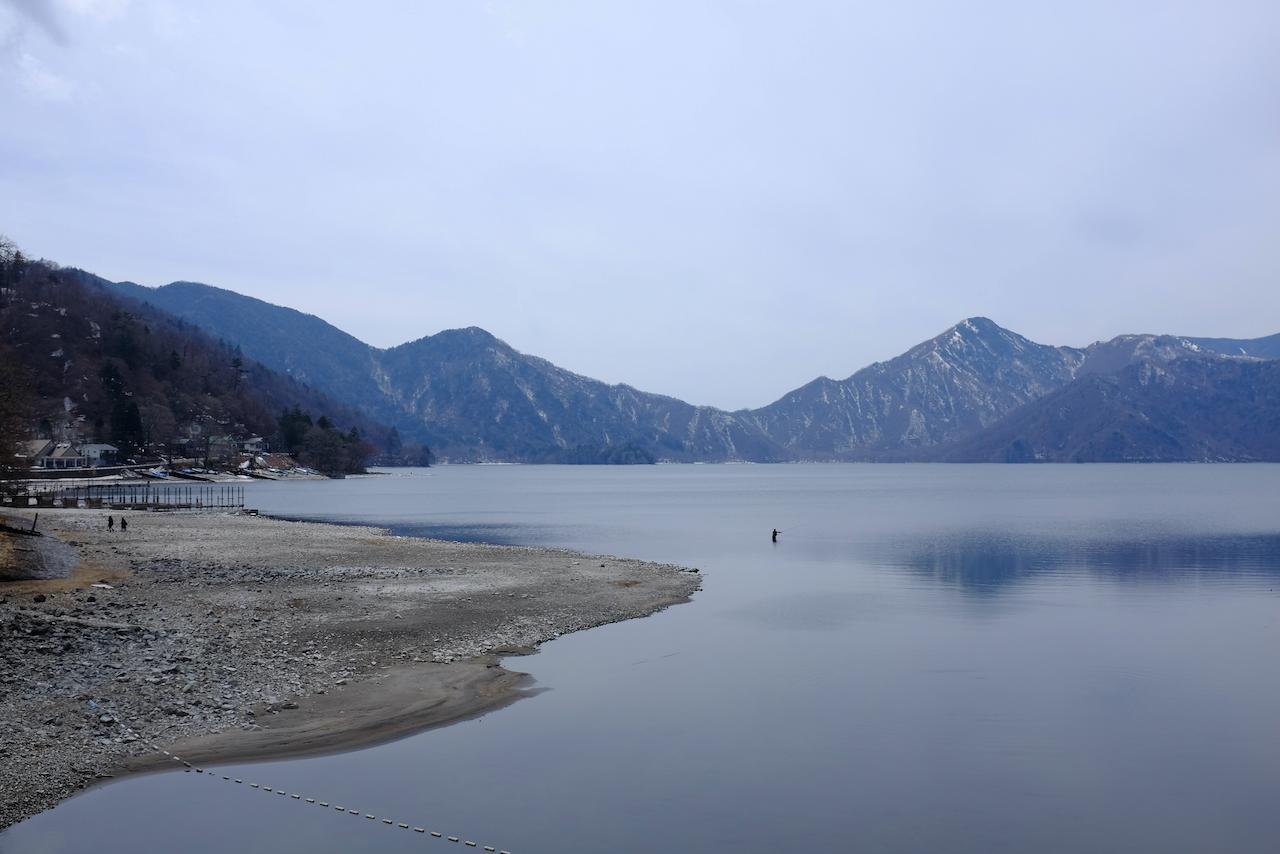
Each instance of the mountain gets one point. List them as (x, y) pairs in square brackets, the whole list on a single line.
[(950, 386), (473, 397), (1105, 357), (475, 393), (1185, 410), (98, 365), (301, 345), (467, 394), (1258, 348)]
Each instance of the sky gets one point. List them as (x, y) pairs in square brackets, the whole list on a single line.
[(714, 200)]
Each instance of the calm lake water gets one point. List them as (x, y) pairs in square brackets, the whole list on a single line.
[(931, 659)]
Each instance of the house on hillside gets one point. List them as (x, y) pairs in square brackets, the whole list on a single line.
[(64, 456), (221, 449), (99, 454)]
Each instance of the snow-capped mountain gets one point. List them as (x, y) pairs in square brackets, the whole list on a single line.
[(947, 387)]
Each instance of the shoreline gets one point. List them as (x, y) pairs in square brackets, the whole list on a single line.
[(425, 696), (245, 638)]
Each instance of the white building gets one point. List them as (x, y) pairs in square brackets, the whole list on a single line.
[(99, 453)]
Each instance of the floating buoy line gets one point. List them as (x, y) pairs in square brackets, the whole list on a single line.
[(295, 796)]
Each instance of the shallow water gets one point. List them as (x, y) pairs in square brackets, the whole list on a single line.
[(932, 658)]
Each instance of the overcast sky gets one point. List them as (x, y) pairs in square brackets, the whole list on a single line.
[(714, 200)]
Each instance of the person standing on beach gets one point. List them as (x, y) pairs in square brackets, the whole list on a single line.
[(124, 526), (111, 523)]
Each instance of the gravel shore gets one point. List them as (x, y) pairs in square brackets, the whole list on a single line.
[(236, 637)]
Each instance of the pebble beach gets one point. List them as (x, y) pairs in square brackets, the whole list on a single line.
[(228, 636)]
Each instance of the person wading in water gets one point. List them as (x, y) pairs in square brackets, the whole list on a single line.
[(775, 535)]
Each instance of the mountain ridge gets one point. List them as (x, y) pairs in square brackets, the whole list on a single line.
[(1143, 413), (474, 397), (878, 409)]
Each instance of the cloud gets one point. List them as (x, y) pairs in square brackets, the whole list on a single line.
[(41, 83), (42, 15), (101, 10)]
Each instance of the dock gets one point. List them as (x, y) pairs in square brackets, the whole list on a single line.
[(186, 495)]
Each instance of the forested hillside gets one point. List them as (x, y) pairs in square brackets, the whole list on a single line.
[(96, 366)]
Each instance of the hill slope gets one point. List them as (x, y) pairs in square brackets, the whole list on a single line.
[(101, 366), (1188, 410), (300, 345), (472, 391)]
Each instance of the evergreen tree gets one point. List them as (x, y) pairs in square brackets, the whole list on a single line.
[(293, 427), (126, 426), (395, 445)]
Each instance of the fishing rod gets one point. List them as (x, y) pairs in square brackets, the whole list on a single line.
[(777, 531)]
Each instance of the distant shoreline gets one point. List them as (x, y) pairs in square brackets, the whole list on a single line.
[(235, 638)]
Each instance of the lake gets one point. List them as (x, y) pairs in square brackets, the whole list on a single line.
[(931, 658)]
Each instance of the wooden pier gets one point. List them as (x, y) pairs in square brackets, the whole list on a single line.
[(188, 495)]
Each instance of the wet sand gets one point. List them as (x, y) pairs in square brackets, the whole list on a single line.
[(229, 637)]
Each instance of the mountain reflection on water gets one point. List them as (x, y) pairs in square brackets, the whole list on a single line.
[(986, 562)]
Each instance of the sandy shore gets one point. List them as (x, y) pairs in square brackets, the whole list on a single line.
[(226, 637)]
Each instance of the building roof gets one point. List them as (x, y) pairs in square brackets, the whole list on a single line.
[(33, 448)]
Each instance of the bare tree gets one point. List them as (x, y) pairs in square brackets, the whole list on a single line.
[(8, 250)]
